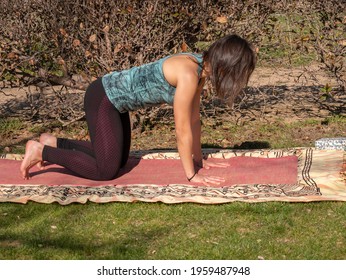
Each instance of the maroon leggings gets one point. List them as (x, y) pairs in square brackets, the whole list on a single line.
[(110, 135)]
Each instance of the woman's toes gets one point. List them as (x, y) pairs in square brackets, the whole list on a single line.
[(33, 155)]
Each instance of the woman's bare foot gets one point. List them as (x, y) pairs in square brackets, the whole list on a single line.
[(49, 140), (33, 155)]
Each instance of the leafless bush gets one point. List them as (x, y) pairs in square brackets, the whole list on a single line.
[(90, 38), (71, 42)]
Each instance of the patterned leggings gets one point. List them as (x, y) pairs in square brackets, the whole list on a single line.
[(110, 135)]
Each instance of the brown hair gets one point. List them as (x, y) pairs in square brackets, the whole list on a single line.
[(231, 60)]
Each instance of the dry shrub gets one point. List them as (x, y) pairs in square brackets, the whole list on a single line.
[(90, 38), (72, 42)]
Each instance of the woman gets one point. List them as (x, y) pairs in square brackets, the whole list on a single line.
[(176, 80)]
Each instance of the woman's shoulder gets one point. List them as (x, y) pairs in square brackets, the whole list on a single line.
[(185, 58), (196, 56), (182, 65)]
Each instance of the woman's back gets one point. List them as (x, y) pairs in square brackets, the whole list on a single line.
[(141, 86)]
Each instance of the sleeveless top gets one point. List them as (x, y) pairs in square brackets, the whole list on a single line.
[(141, 86)]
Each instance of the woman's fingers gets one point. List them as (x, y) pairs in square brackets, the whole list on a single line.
[(214, 180), (207, 180), (220, 164), (207, 165)]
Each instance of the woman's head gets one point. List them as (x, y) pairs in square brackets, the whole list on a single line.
[(229, 63)]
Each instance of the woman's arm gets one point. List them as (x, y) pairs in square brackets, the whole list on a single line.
[(196, 133), (196, 126), (184, 102), (182, 73), (188, 129)]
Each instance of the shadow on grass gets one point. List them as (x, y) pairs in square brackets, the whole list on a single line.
[(51, 232), (247, 145), (135, 244), (250, 145)]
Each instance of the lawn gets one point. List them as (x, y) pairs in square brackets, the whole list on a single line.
[(182, 231)]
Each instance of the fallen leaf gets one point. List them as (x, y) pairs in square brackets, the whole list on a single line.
[(184, 47), (222, 19), (106, 29), (87, 54), (12, 55), (92, 38), (63, 32), (60, 61), (117, 48), (76, 43)]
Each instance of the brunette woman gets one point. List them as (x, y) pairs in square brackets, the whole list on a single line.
[(176, 80)]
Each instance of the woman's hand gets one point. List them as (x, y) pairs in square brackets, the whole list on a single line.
[(207, 180), (207, 164)]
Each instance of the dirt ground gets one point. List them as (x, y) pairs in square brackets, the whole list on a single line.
[(275, 95)]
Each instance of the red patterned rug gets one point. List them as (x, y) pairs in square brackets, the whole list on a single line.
[(253, 176)]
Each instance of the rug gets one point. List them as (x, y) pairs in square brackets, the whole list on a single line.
[(293, 175)]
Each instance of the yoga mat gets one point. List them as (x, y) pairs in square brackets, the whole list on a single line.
[(300, 174)]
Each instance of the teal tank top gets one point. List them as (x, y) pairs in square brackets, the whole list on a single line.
[(141, 86)]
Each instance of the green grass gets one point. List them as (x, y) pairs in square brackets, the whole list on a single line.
[(8, 125), (181, 231)]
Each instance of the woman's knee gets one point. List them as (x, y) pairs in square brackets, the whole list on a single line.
[(106, 175), (94, 92)]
